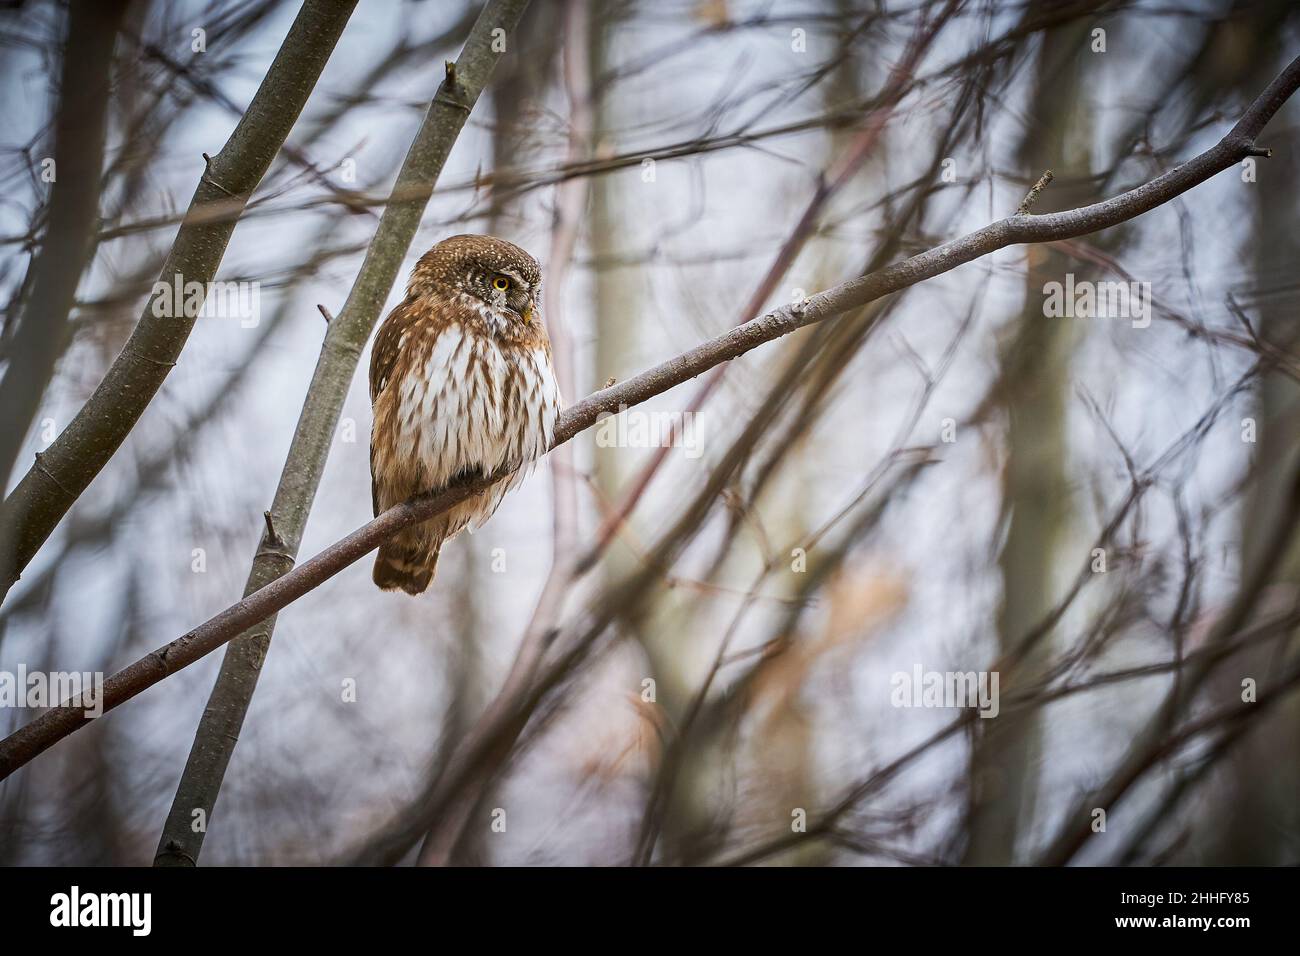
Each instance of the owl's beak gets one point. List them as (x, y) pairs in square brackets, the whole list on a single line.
[(530, 308)]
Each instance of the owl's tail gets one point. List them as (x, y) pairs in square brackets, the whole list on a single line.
[(402, 565)]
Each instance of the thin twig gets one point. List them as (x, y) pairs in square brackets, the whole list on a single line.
[(1031, 197)]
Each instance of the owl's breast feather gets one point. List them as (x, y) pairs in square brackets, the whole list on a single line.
[(462, 401)]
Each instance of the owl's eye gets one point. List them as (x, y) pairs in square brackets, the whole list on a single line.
[(501, 283)]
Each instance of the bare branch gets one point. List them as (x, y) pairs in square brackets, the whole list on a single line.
[(80, 126), (31, 740), (345, 339), (64, 470)]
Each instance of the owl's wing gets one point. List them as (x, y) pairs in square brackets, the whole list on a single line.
[(383, 357), (383, 361)]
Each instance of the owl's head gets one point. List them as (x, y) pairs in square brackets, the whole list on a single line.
[(501, 281)]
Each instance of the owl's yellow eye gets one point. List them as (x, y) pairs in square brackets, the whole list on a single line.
[(501, 283)]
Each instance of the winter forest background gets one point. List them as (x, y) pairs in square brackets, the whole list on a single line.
[(1101, 510)]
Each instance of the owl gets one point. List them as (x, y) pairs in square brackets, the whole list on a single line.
[(461, 384)]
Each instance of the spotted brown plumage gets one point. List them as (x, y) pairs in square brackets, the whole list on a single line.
[(461, 383)]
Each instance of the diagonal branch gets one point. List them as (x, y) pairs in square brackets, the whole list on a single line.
[(57, 723), (345, 339), (64, 470)]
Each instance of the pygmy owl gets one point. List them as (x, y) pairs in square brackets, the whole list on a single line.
[(461, 384)]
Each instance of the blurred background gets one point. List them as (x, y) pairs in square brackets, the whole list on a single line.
[(949, 480)]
